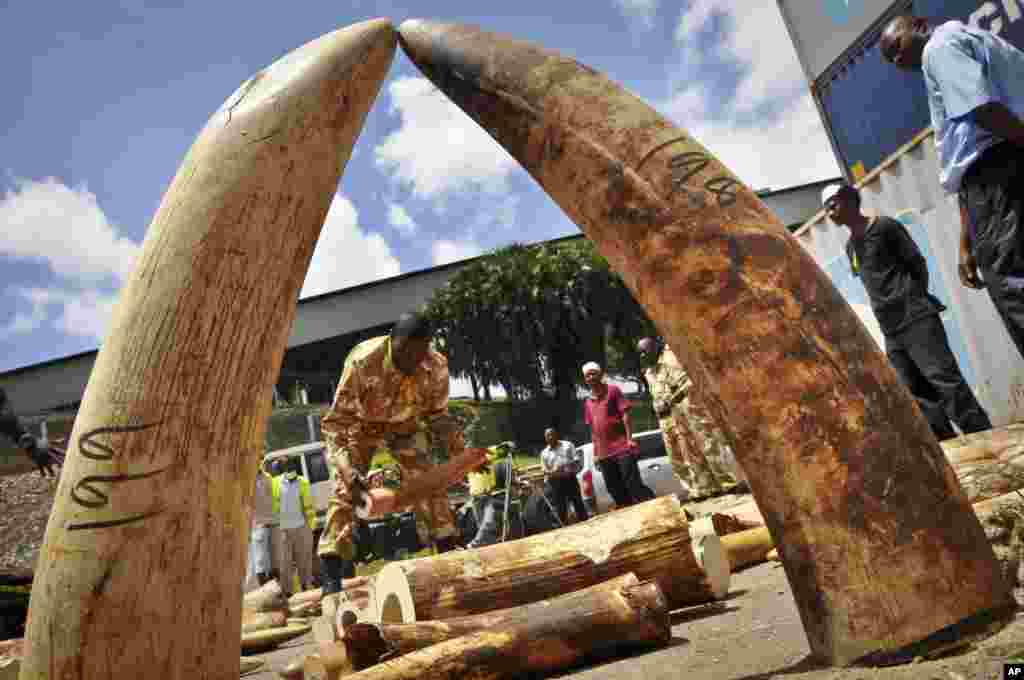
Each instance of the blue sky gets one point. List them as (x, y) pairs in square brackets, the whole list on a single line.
[(103, 99)]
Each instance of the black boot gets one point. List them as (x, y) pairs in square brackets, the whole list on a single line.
[(332, 570), (444, 545)]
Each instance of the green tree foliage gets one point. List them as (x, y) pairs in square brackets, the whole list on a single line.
[(527, 318)]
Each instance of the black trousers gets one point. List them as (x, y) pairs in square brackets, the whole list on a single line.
[(993, 193), (921, 356), (562, 491), (622, 479)]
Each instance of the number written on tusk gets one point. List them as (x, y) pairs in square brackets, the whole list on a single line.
[(86, 491)]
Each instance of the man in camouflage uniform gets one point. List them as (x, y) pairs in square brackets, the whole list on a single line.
[(393, 393), (695, 446)]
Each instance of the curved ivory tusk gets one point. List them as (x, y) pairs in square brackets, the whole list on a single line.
[(140, 572), (878, 541)]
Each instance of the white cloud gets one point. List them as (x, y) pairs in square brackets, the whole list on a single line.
[(81, 312), (27, 322), (49, 221), (445, 251), (693, 20), (65, 229), (87, 313), (769, 132), (438, 149), (787, 150), (346, 255), (755, 38), (640, 11), (400, 219)]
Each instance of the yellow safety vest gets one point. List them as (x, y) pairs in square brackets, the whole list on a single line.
[(481, 483), (307, 505)]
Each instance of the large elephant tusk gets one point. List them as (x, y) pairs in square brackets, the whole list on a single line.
[(879, 543), (140, 572)]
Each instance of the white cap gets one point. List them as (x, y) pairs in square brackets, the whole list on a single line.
[(591, 366), (828, 192)]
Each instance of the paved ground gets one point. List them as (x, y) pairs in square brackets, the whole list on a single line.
[(756, 634)]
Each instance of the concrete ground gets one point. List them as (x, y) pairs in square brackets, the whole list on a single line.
[(754, 634)]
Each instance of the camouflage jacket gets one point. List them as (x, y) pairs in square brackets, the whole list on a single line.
[(374, 399), (668, 381)]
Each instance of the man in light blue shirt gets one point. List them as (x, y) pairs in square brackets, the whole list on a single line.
[(975, 84)]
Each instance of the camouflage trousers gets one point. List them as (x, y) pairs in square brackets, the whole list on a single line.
[(434, 519), (697, 449)]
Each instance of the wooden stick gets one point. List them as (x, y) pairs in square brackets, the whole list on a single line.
[(363, 644), (844, 467), (988, 464), (263, 640), (541, 640), (329, 662), (748, 547), (267, 598), (369, 644), (651, 540), (145, 547), (263, 621)]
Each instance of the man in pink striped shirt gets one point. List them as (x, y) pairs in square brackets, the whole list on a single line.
[(606, 411)]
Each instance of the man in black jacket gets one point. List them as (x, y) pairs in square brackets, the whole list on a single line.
[(894, 273)]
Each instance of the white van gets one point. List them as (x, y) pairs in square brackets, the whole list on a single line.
[(655, 470)]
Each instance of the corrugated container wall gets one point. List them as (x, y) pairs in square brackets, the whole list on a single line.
[(877, 120)]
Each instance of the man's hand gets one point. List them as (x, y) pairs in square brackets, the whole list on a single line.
[(968, 270), (479, 457)]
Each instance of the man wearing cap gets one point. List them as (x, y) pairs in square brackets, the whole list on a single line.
[(393, 393), (606, 411), (561, 462), (973, 80), (894, 273), (696, 447)]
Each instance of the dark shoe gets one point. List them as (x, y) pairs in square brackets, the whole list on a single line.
[(444, 545), (332, 568)]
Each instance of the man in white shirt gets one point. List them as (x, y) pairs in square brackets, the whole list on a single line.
[(296, 516), (561, 462)]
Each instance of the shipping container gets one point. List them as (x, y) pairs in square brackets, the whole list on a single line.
[(842, 21), (870, 108)]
